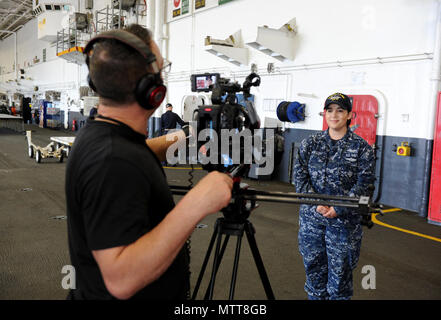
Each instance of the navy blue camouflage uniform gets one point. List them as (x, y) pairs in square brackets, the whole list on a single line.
[(330, 247)]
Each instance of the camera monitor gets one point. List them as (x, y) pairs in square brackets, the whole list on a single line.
[(202, 82)]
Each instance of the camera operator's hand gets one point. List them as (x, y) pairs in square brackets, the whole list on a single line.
[(210, 195)]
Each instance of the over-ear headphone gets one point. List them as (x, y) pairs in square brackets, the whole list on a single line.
[(150, 90)]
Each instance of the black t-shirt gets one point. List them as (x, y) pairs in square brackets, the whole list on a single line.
[(116, 191)]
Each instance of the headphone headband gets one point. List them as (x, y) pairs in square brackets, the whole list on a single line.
[(125, 37)]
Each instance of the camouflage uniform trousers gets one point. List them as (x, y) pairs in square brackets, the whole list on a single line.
[(330, 251)]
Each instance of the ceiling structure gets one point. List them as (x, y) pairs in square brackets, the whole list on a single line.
[(13, 15)]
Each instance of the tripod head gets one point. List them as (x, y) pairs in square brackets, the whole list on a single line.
[(239, 208)]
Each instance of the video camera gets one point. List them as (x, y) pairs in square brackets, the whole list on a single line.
[(225, 114)]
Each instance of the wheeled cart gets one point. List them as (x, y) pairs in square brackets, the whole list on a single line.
[(65, 142), (44, 152)]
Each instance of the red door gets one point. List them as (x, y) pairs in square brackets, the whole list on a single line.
[(364, 120), (434, 215)]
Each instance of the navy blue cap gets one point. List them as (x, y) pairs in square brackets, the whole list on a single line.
[(341, 99)]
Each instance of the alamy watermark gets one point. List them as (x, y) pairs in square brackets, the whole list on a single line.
[(369, 281), (230, 148), (69, 280)]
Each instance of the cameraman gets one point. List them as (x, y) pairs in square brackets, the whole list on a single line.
[(126, 236), (335, 162)]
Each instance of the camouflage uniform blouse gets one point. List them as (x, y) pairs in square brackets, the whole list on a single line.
[(344, 168)]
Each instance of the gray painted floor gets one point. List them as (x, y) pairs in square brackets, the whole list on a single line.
[(33, 242)]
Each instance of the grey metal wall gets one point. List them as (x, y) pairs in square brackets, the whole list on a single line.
[(405, 181)]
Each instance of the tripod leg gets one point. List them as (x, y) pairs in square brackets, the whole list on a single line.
[(249, 229), (221, 254), (235, 266), (216, 263), (207, 257)]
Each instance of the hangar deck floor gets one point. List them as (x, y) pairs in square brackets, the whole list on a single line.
[(33, 238)]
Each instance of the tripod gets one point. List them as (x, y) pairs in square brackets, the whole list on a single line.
[(234, 223)]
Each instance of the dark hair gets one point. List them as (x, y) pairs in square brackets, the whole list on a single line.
[(168, 105), (115, 68)]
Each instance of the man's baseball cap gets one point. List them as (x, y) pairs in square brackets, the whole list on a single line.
[(341, 99)]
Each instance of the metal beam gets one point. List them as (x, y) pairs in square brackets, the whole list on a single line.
[(25, 6)]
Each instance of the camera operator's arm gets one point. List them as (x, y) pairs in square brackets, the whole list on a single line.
[(128, 269), (160, 144)]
